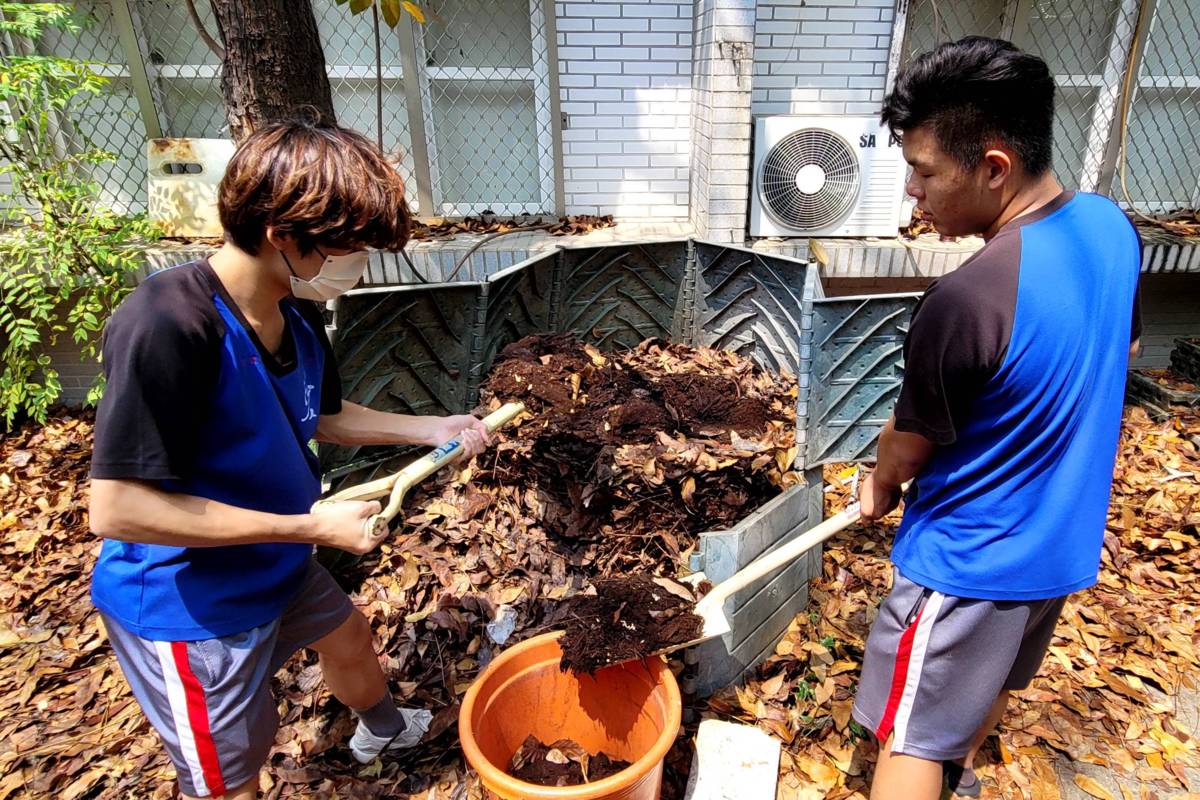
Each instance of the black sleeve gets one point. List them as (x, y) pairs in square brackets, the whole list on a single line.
[(161, 352), (1135, 332), (331, 380), (957, 341)]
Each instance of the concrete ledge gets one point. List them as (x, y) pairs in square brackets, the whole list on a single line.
[(928, 257), (435, 259)]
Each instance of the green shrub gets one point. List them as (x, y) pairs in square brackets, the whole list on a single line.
[(66, 260)]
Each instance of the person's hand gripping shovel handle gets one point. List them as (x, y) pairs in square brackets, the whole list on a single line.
[(397, 485)]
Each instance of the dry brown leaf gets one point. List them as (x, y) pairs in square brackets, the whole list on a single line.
[(1093, 788)]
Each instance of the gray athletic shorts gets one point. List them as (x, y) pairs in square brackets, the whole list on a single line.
[(935, 664), (210, 700)]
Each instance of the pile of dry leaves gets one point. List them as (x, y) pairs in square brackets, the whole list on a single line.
[(488, 223), (488, 549), (1106, 692), (484, 224), (1184, 222), (1180, 222), (920, 223), (620, 463)]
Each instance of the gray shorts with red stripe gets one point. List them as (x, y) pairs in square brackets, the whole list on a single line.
[(210, 700), (936, 663)]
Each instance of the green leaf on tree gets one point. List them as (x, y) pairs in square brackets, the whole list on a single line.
[(391, 12)]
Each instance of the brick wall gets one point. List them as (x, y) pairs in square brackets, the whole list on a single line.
[(625, 87), (1170, 309), (656, 123), (821, 56), (74, 373)]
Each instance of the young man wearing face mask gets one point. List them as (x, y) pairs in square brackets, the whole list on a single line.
[(1007, 420), (219, 374)]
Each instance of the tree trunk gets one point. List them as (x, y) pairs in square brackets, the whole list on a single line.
[(274, 67)]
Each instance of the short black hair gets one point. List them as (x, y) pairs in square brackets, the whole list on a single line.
[(977, 92)]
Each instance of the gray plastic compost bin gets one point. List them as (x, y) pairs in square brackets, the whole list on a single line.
[(424, 349)]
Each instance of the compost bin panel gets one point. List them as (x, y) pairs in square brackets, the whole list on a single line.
[(619, 295), (518, 304), (760, 614), (405, 351), (751, 304), (854, 374)]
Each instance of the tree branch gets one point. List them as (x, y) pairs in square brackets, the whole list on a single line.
[(217, 49)]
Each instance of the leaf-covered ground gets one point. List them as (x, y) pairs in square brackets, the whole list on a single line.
[(1108, 694), (1106, 701)]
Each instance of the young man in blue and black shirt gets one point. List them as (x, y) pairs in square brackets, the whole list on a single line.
[(1007, 420), (219, 374)]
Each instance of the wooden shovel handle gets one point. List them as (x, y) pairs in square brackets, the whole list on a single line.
[(450, 452), (765, 565)]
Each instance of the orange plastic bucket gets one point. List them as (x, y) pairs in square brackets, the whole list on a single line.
[(629, 711)]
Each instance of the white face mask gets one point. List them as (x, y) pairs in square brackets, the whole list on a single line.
[(338, 275)]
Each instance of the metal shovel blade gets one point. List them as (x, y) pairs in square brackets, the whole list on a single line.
[(716, 624)]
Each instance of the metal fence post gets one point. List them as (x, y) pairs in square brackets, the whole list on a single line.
[(1106, 124), (1135, 52), (896, 50), (551, 36), (139, 80), (416, 116)]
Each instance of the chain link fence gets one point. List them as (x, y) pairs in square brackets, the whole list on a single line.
[(1128, 75), (486, 79), (464, 101), (1161, 167)]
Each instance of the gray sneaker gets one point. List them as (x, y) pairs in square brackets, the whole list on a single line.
[(961, 781), (366, 746)]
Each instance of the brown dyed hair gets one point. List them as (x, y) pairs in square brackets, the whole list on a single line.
[(318, 183)]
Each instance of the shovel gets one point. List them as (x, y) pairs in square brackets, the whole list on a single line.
[(711, 607), (397, 485)]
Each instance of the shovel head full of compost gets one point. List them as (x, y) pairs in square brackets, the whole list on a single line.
[(627, 619), (708, 619)]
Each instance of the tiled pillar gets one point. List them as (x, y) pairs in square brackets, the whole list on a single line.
[(721, 128)]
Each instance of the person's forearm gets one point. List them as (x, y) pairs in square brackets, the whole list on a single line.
[(359, 425), (901, 456), (133, 511)]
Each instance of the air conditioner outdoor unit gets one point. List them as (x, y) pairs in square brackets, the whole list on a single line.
[(826, 176)]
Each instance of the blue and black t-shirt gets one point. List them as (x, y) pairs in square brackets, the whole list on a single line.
[(1015, 367), (196, 404)]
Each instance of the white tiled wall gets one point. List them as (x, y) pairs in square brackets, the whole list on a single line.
[(628, 91), (821, 56), (625, 85)]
